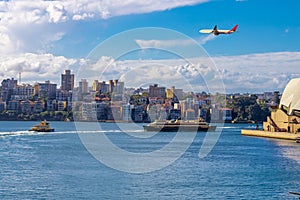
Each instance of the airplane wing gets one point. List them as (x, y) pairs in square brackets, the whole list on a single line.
[(206, 31)]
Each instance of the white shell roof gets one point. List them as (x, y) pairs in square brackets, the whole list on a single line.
[(291, 96)]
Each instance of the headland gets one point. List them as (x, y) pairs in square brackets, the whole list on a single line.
[(284, 121)]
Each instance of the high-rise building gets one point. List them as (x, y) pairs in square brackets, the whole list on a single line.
[(7, 88), (96, 85), (22, 92), (126, 111), (155, 91), (176, 94), (67, 80), (111, 86), (103, 87), (83, 86), (119, 87), (46, 90), (169, 94), (276, 99)]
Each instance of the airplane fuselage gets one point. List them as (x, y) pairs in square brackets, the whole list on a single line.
[(215, 30)]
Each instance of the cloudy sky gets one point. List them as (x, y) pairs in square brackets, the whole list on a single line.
[(43, 38)]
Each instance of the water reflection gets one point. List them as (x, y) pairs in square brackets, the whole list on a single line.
[(289, 149)]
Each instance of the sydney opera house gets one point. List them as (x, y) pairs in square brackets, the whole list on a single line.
[(286, 118)]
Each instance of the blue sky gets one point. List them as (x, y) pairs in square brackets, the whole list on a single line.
[(43, 38), (264, 26)]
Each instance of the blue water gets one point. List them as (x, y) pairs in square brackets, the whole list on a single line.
[(58, 166)]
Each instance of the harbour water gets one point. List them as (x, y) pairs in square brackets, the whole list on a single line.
[(58, 166)]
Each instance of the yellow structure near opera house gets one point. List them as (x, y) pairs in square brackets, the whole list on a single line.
[(284, 122)]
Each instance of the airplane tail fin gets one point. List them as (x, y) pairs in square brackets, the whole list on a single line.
[(215, 28), (234, 28)]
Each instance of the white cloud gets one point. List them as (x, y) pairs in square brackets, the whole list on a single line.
[(163, 43), (243, 73), (258, 72), (56, 11), (32, 26), (36, 67)]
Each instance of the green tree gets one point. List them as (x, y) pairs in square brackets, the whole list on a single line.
[(254, 112)]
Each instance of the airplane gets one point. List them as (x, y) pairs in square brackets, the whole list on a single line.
[(215, 31)]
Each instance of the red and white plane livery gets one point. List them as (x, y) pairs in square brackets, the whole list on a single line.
[(215, 31)]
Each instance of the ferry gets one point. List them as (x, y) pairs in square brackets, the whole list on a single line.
[(179, 125), (44, 126)]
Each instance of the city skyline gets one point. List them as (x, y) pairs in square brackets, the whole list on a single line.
[(92, 87), (41, 39)]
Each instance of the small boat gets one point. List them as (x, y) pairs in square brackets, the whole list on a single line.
[(44, 126), (179, 125)]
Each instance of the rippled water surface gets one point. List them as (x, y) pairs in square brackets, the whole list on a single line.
[(58, 166)]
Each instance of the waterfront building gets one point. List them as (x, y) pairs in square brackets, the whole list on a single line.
[(38, 107), (115, 86), (276, 98), (119, 87), (46, 90), (153, 111), (27, 106), (175, 114), (155, 91), (101, 110), (95, 86), (138, 114), (9, 83), (22, 92), (204, 114), (103, 87), (51, 105), (126, 112), (176, 94), (215, 114), (116, 112), (67, 81), (61, 105), (163, 115), (83, 86), (169, 94), (111, 86), (183, 107), (63, 95), (287, 117), (89, 111), (116, 97), (155, 100), (7, 86), (2, 106), (187, 106), (225, 114), (196, 108), (13, 105), (190, 114)]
